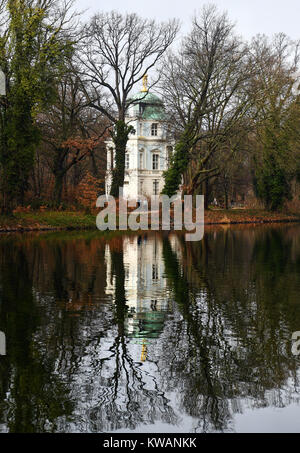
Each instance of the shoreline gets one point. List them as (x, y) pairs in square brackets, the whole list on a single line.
[(79, 221)]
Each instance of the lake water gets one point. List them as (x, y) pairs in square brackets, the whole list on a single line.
[(148, 333)]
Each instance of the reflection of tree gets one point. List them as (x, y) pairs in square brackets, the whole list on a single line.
[(31, 397), (197, 361), (71, 366), (118, 271), (238, 317), (126, 395), (80, 369)]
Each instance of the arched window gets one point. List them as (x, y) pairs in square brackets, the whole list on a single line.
[(126, 161), (154, 128)]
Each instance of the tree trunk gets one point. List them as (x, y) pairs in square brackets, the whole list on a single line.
[(58, 186), (118, 173), (226, 198), (206, 196), (7, 205), (8, 201), (120, 138)]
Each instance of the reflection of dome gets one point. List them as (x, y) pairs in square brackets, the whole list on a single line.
[(145, 324), (149, 106)]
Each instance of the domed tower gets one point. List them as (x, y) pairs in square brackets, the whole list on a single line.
[(148, 151)]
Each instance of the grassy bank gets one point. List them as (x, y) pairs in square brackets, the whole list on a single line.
[(68, 220), (234, 216), (47, 220)]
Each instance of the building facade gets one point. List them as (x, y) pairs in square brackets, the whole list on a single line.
[(148, 150)]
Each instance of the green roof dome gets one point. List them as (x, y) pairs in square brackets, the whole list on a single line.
[(153, 112), (151, 106), (146, 98)]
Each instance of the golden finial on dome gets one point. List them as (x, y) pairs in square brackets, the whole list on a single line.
[(145, 82), (144, 351)]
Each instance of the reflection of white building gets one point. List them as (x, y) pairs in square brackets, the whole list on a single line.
[(148, 150), (2, 343), (146, 289)]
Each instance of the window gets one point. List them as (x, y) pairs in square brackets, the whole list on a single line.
[(110, 162), (154, 129), (141, 128), (169, 155), (155, 161), (154, 272), (126, 161), (153, 305), (141, 163), (141, 187), (155, 187)]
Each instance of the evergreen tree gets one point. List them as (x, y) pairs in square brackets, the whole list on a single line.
[(33, 49)]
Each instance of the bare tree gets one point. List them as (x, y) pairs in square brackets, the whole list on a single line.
[(275, 90), (71, 131), (205, 87), (116, 53)]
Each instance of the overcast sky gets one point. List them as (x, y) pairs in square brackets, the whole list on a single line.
[(251, 16)]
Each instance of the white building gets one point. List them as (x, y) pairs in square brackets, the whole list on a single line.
[(148, 150)]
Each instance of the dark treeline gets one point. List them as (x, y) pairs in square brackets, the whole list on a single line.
[(232, 106)]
